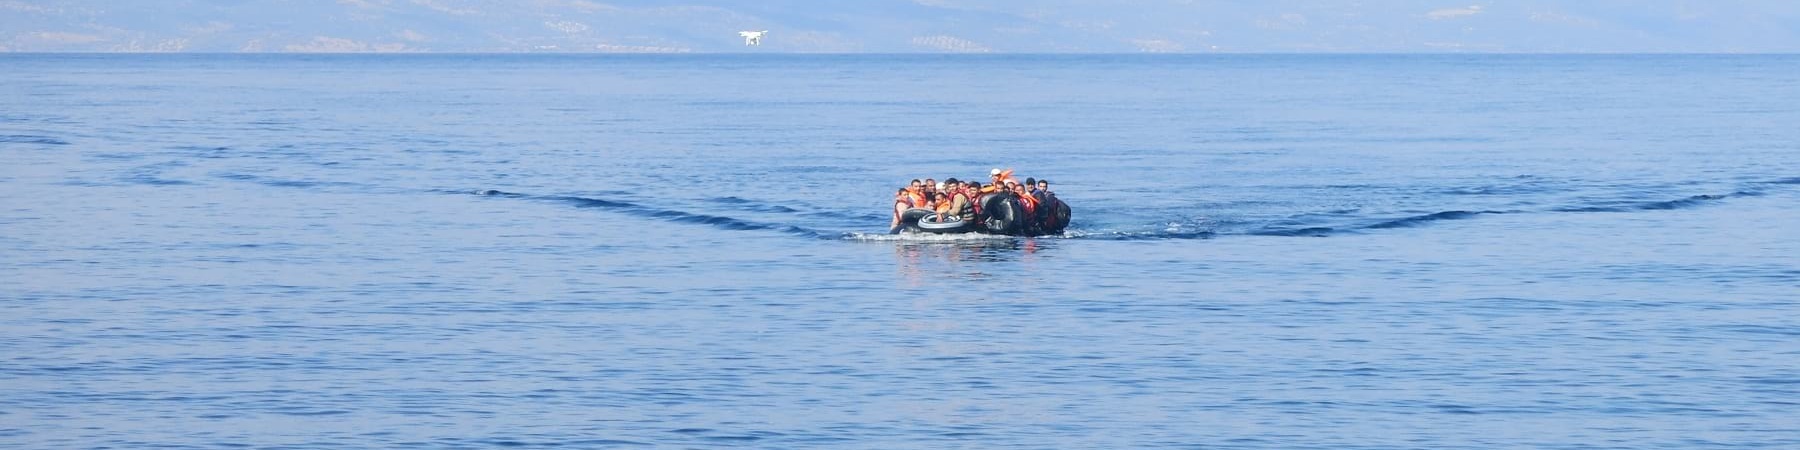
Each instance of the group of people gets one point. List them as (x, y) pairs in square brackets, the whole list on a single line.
[(953, 198)]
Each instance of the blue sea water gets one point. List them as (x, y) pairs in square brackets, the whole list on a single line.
[(1268, 251)]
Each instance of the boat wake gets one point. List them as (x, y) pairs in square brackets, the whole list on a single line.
[(797, 218), (1377, 224), (1331, 223), (668, 215), (1628, 206)]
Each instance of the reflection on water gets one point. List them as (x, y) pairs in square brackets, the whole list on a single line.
[(962, 259)]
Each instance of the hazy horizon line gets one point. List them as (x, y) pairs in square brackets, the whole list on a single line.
[(717, 53)]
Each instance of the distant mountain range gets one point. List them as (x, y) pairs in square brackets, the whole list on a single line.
[(898, 26)]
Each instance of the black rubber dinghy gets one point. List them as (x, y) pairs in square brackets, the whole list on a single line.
[(998, 213)]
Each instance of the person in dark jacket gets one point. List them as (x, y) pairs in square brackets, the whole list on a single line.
[(1046, 201)]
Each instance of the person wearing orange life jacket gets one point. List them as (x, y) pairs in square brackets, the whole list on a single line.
[(943, 206), (1000, 176), (990, 187), (1030, 203), (916, 194), (902, 202)]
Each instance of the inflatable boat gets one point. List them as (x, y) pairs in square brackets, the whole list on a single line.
[(995, 213)]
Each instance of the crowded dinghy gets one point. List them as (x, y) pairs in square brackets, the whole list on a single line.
[(1002, 206)]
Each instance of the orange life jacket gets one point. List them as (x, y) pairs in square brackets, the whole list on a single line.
[(1029, 203), (914, 196)]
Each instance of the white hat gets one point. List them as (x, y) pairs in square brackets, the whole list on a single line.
[(994, 172), (940, 185)]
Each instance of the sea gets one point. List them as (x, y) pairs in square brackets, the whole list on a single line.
[(1311, 251)]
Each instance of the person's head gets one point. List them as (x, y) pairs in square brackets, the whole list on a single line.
[(953, 182), (1018, 188), (1043, 185), (900, 193), (914, 183), (994, 173), (943, 196), (974, 185), (930, 182), (1029, 182), (941, 187)]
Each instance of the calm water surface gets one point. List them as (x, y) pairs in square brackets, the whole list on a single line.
[(1285, 252)]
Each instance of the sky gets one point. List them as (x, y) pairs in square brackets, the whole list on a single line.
[(903, 26)]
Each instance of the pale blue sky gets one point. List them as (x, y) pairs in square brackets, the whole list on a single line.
[(876, 26)]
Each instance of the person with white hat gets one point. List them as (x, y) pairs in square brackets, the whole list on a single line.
[(1000, 176)]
